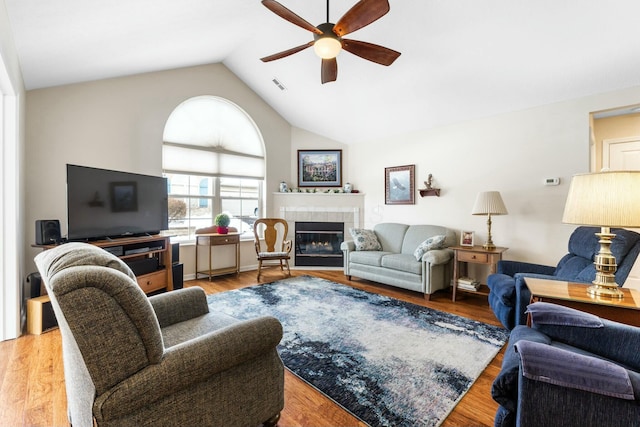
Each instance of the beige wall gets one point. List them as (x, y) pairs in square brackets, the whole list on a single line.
[(512, 153), (118, 124)]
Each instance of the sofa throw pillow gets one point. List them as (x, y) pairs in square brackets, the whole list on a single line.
[(365, 240), (435, 242)]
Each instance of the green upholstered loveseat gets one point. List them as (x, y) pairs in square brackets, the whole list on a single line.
[(395, 263)]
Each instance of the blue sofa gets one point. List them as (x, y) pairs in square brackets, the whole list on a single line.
[(570, 369), (508, 292)]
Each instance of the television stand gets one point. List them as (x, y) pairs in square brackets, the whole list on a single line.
[(149, 257)]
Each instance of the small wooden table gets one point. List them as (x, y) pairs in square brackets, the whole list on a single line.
[(473, 255), (215, 239), (624, 310)]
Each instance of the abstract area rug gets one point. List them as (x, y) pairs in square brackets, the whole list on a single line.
[(388, 362)]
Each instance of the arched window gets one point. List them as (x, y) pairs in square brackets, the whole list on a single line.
[(213, 155)]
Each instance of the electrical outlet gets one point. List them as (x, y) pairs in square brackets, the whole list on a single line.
[(552, 181)]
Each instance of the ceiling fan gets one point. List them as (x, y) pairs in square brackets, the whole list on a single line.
[(327, 38)]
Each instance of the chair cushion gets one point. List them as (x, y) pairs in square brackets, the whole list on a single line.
[(373, 258), (272, 254), (571, 267), (623, 242), (435, 242), (584, 243), (365, 240)]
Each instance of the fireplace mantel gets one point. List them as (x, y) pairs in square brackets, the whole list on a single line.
[(319, 207)]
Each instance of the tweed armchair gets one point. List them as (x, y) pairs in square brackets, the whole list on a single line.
[(166, 360)]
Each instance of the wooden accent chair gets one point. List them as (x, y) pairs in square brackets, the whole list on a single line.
[(275, 231), (165, 360)]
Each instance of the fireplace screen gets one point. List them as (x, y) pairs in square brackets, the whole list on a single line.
[(318, 243)]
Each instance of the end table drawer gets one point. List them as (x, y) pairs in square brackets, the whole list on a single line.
[(225, 240), (473, 257)]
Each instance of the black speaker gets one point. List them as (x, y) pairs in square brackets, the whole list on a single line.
[(35, 288), (143, 266), (178, 273), (47, 231), (175, 253)]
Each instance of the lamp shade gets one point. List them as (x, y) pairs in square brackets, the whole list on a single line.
[(609, 199), (489, 203)]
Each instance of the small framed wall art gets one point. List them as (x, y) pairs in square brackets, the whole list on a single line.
[(467, 238), (399, 187), (319, 168)]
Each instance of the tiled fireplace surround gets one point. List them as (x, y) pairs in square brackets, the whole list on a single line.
[(320, 207)]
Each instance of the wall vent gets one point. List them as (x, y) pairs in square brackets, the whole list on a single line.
[(277, 83)]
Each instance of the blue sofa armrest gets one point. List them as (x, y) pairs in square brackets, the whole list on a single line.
[(502, 298), (574, 392), (504, 389), (607, 340), (565, 368), (510, 268), (543, 404), (509, 297)]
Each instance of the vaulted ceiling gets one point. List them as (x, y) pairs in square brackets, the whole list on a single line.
[(461, 59)]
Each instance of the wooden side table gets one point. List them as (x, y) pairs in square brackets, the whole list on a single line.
[(215, 239), (624, 310), (464, 255)]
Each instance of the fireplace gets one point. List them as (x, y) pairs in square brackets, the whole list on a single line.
[(318, 243)]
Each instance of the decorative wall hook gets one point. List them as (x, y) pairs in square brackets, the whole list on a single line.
[(429, 190)]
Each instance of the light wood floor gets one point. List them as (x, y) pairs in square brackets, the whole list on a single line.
[(32, 379)]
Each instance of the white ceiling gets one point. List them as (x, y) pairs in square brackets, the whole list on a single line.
[(461, 59)]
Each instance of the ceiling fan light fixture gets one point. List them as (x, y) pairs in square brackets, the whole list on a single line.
[(327, 47)]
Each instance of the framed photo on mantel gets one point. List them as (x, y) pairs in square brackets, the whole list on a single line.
[(319, 168), (399, 185)]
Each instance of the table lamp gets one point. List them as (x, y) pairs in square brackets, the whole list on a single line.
[(604, 199), (489, 203)]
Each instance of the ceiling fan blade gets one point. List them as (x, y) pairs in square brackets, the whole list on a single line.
[(285, 13), (286, 52), (329, 70), (370, 51), (360, 15)]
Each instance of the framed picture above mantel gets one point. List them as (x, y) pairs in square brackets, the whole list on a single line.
[(319, 168)]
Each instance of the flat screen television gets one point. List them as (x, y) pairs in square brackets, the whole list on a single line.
[(104, 203)]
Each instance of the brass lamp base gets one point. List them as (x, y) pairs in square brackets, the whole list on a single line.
[(605, 284), (604, 291), (489, 243)]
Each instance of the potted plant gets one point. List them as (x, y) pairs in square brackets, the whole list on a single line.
[(222, 221)]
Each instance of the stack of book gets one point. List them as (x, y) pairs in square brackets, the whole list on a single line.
[(468, 284)]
